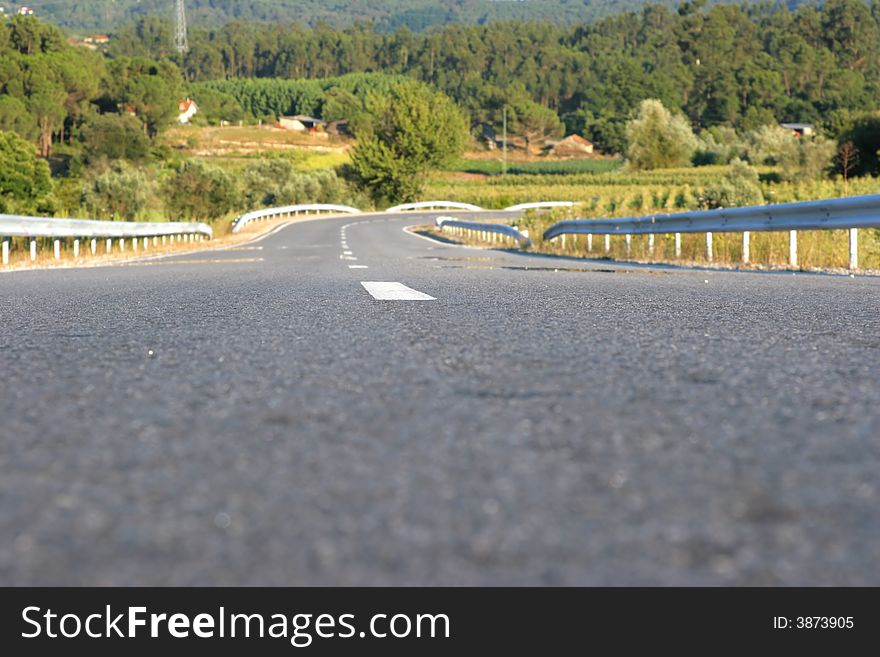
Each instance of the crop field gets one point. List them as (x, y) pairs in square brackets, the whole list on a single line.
[(622, 193)]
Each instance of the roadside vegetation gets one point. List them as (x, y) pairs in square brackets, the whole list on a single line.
[(683, 109)]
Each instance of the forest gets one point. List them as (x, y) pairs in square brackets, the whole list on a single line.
[(386, 15), (729, 65)]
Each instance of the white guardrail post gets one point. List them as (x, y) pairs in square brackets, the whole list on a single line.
[(832, 214), (78, 230), (853, 248)]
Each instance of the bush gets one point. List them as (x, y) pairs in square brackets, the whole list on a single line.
[(657, 139), (119, 192), (718, 145), (275, 182), (25, 180), (197, 191), (811, 158), (740, 186), (768, 144), (799, 158)]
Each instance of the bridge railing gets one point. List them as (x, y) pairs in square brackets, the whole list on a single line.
[(487, 232), (290, 211), (79, 230), (434, 205), (844, 213)]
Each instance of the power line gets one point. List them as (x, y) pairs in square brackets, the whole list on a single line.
[(181, 43)]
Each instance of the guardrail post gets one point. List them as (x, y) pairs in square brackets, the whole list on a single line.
[(33, 249), (629, 243), (108, 246), (853, 249), (678, 245), (651, 244), (5, 250), (122, 245), (56, 247), (709, 254), (163, 240), (562, 242), (607, 243), (747, 255), (155, 240), (792, 248), (93, 246), (589, 243), (76, 248)]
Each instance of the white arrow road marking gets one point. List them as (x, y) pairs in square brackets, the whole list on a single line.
[(386, 291)]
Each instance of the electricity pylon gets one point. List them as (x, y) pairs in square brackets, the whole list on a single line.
[(180, 41)]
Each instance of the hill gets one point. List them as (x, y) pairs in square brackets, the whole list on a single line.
[(416, 15)]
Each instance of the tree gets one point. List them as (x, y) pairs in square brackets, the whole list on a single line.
[(25, 180), (412, 130), (847, 161), (199, 191), (864, 132), (657, 139), (809, 159), (216, 106), (14, 117), (114, 137), (120, 192), (149, 89), (533, 121)]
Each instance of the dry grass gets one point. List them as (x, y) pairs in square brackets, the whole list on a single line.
[(826, 251), (313, 151)]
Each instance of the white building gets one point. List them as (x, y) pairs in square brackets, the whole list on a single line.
[(188, 109)]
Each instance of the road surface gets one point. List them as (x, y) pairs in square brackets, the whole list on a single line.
[(258, 416)]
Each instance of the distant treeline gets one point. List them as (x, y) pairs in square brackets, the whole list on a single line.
[(731, 65), (386, 15)]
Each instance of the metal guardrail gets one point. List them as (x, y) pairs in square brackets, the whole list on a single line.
[(540, 205), (433, 205), (290, 211), (844, 213), (79, 229), (486, 231)]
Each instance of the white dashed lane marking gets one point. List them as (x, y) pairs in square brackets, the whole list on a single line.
[(357, 267), (392, 291)]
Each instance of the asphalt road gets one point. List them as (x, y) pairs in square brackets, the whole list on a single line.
[(256, 416)]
